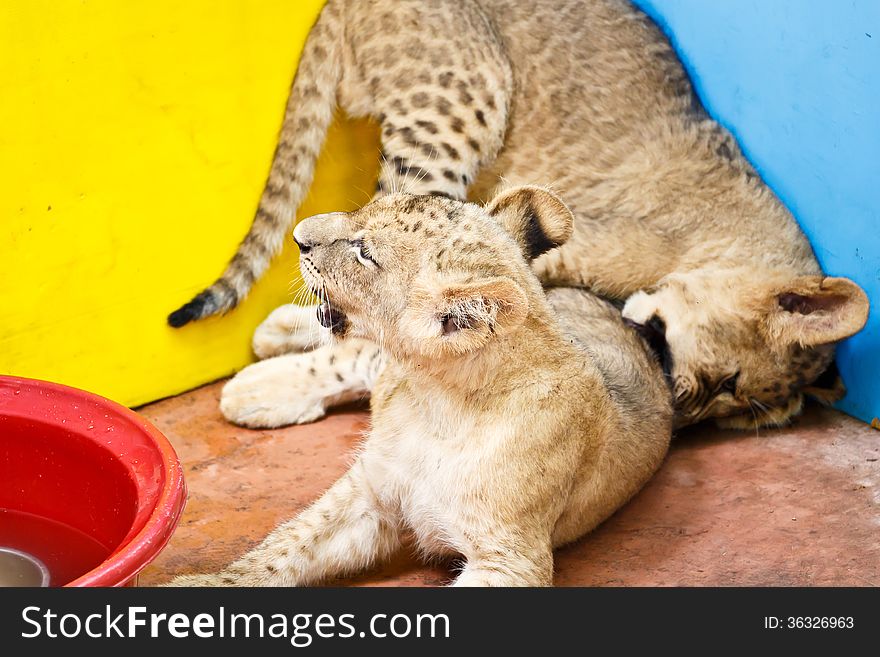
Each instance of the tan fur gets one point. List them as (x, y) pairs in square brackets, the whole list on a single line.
[(504, 423), (588, 96)]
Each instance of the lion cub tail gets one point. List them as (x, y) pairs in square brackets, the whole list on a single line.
[(310, 109)]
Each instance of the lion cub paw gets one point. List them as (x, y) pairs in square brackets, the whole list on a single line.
[(199, 581), (288, 329), (272, 393)]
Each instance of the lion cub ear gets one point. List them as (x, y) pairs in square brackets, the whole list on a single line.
[(469, 314), (537, 219), (462, 317), (814, 310)]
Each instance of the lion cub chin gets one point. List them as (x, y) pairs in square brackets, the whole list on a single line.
[(506, 422)]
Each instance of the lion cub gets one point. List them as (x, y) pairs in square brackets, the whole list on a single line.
[(505, 422)]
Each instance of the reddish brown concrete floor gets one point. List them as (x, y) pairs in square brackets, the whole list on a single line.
[(794, 506)]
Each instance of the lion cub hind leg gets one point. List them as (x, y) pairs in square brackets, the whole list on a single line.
[(441, 91), (301, 388), (289, 329), (345, 531)]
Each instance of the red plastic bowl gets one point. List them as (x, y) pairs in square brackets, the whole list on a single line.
[(79, 464)]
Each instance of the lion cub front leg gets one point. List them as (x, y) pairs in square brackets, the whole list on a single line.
[(345, 531), (300, 388)]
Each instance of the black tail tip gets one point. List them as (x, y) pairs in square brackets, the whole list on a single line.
[(181, 317), (195, 309)]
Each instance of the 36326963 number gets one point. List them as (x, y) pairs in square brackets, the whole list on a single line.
[(809, 622)]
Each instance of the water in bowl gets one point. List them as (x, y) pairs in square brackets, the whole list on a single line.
[(20, 569), (64, 551)]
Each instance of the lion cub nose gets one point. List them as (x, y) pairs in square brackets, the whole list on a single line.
[(299, 237), (321, 229), (304, 247)]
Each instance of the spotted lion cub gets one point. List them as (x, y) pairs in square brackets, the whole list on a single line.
[(505, 422)]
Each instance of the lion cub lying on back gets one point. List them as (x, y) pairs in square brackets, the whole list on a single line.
[(506, 422)]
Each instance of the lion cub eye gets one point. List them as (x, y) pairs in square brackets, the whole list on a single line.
[(363, 255), (729, 384)]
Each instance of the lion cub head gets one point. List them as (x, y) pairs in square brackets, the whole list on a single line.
[(746, 349), (428, 277)]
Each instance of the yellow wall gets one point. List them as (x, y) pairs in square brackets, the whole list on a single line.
[(134, 141)]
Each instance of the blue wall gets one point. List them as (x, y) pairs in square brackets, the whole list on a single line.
[(798, 83)]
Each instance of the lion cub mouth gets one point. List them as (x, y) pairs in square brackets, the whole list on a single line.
[(330, 317)]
